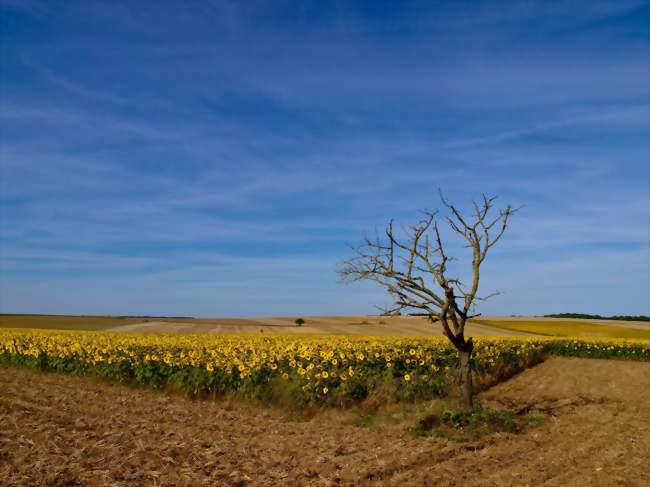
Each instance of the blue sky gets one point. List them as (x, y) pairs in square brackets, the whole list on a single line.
[(218, 158)]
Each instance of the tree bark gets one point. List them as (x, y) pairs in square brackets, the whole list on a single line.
[(465, 377)]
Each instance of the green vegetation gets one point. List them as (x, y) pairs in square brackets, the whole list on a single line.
[(567, 328), (365, 421), (300, 322), (585, 316), (470, 424)]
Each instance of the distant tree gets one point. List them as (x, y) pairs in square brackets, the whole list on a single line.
[(299, 322), (599, 317), (413, 268)]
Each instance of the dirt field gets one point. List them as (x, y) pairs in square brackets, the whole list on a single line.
[(59, 430)]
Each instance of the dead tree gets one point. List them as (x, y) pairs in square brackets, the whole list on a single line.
[(413, 267)]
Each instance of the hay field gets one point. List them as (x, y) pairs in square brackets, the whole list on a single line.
[(328, 325), (336, 325)]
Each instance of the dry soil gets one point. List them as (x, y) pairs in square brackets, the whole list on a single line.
[(60, 430)]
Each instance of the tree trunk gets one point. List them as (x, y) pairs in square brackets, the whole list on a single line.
[(465, 379)]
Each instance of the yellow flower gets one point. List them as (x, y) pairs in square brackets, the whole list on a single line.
[(325, 390), (247, 355)]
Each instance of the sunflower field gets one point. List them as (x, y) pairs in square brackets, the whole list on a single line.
[(335, 370)]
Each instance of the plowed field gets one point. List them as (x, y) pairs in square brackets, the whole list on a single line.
[(60, 430)]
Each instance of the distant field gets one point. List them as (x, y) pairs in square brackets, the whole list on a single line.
[(557, 327), (330, 325), (57, 322), (337, 325)]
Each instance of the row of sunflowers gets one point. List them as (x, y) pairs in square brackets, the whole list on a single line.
[(310, 370)]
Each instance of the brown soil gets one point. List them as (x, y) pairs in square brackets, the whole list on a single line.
[(59, 430)]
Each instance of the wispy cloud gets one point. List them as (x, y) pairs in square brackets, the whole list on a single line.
[(195, 157)]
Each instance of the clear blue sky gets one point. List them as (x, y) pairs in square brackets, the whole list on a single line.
[(217, 158)]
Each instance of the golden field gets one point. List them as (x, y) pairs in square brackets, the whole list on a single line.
[(333, 325)]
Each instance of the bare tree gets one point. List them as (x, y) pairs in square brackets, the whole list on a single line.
[(413, 267)]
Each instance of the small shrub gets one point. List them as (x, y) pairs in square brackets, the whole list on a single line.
[(365, 421), (479, 417), (299, 322), (471, 422)]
